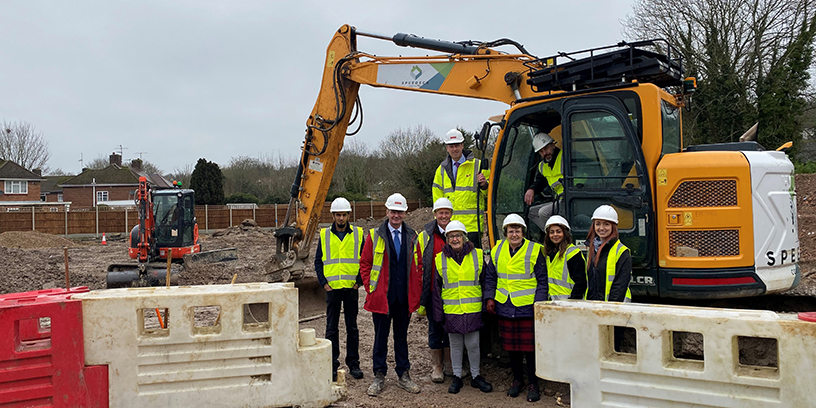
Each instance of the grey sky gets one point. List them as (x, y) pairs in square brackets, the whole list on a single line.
[(188, 79)]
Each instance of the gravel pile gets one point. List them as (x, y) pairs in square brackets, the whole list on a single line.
[(32, 239)]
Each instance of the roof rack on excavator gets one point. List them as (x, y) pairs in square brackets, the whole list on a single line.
[(654, 61)]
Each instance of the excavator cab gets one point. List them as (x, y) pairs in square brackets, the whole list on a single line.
[(174, 211), (602, 162), (175, 229), (168, 226)]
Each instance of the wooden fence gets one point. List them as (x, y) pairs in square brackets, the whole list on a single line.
[(113, 220)]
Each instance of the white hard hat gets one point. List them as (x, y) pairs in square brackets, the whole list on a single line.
[(396, 202), (340, 204), (557, 220), (454, 136), (541, 140), (455, 226), (514, 219), (605, 212), (442, 203)]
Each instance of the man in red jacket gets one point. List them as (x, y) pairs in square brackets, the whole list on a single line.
[(391, 268)]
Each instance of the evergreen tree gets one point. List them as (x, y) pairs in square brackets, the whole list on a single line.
[(208, 183), (780, 94)]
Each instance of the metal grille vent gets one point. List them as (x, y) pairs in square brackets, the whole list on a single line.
[(704, 244), (705, 193)]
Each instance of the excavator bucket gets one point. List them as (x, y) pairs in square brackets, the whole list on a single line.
[(284, 267), (215, 255), (141, 275)]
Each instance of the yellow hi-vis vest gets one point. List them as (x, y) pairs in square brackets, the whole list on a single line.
[(516, 278), (553, 175), (611, 262), (424, 239), (463, 194), (378, 243), (461, 291), (341, 259), (560, 283)]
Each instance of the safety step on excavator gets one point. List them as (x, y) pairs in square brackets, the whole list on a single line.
[(167, 230)]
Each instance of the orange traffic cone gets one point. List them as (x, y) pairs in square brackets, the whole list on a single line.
[(104, 241)]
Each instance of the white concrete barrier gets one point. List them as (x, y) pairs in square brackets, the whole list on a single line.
[(209, 349), (729, 358)]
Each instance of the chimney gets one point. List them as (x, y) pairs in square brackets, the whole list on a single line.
[(38, 172), (136, 164), (116, 159)]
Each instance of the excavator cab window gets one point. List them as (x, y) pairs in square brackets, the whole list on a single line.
[(602, 157), (670, 121), (189, 219), (519, 163), (167, 216)]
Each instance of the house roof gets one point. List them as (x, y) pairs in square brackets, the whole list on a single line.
[(114, 174), (12, 170), (52, 184), (159, 181)]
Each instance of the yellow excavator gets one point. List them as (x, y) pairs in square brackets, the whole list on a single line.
[(708, 221)]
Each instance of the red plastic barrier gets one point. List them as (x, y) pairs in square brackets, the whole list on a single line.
[(42, 360)]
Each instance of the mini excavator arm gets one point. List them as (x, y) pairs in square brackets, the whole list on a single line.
[(144, 202), (470, 69)]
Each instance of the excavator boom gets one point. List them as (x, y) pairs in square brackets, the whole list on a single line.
[(472, 69)]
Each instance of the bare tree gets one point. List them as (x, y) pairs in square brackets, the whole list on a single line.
[(354, 173), (22, 144), (149, 167), (750, 34), (182, 174), (99, 163), (56, 172), (748, 58), (403, 160), (406, 143)]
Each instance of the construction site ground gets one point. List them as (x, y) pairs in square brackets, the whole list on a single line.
[(32, 261)]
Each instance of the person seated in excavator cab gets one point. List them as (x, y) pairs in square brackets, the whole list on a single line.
[(548, 179)]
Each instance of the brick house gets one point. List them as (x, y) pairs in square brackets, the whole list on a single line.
[(18, 187), (113, 183), (50, 190)]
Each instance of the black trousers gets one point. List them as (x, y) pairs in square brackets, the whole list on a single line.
[(517, 366), (398, 313), (348, 299)]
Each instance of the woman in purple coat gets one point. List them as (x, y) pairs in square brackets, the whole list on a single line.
[(457, 302)]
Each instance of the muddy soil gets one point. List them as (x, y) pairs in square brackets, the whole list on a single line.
[(32, 261)]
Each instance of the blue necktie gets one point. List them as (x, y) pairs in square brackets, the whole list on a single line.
[(397, 242)]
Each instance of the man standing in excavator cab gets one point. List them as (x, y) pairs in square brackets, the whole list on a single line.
[(337, 263), (548, 176), (460, 179), (391, 269)]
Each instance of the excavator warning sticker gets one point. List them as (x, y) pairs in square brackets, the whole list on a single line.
[(330, 60), (416, 76), (662, 177), (316, 165), (686, 218)]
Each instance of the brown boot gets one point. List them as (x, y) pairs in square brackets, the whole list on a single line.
[(446, 362), (436, 358)]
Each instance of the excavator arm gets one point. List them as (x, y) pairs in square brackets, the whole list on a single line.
[(469, 69)]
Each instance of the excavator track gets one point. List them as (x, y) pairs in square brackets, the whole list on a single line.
[(142, 275)]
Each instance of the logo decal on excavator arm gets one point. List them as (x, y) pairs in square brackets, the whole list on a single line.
[(416, 72)]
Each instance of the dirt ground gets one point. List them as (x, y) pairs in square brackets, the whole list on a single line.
[(32, 261)]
